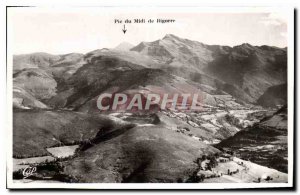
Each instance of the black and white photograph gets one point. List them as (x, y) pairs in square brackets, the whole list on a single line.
[(150, 97)]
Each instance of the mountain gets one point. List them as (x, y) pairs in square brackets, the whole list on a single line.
[(38, 76), (55, 105), (31, 87), (227, 78), (34, 60), (274, 96), (139, 155), (104, 74), (244, 71), (124, 46), (177, 52), (265, 143), (36, 130), (111, 150)]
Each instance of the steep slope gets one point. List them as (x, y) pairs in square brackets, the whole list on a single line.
[(105, 73), (264, 143), (37, 82), (66, 66), (44, 60), (111, 150), (250, 68), (38, 76), (36, 130), (24, 100), (177, 52), (130, 56), (34, 60), (32, 86), (59, 67), (244, 71), (139, 155), (274, 96)]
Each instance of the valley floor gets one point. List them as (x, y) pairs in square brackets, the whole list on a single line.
[(155, 148), (249, 172)]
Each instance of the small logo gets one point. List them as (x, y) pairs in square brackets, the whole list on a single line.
[(28, 171)]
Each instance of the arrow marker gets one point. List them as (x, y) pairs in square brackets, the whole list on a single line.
[(124, 30)]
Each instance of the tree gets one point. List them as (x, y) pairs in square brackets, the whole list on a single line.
[(201, 177)]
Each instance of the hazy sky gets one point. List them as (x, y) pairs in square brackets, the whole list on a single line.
[(83, 30)]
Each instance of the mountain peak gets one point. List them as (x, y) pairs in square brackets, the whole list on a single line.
[(245, 48), (124, 46), (170, 36), (247, 45)]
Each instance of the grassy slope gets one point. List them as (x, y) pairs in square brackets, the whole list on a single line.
[(273, 96), (35, 130), (141, 154)]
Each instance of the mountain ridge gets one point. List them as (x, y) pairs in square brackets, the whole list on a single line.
[(55, 104), (244, 71)]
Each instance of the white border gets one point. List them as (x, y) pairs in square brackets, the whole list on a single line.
[(290, 13)]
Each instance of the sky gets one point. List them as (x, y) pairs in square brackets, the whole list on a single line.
[(81, 30)]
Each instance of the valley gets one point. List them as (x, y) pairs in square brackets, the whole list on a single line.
[(58, 128)]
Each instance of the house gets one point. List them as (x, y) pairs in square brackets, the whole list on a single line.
[(223, 159)]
